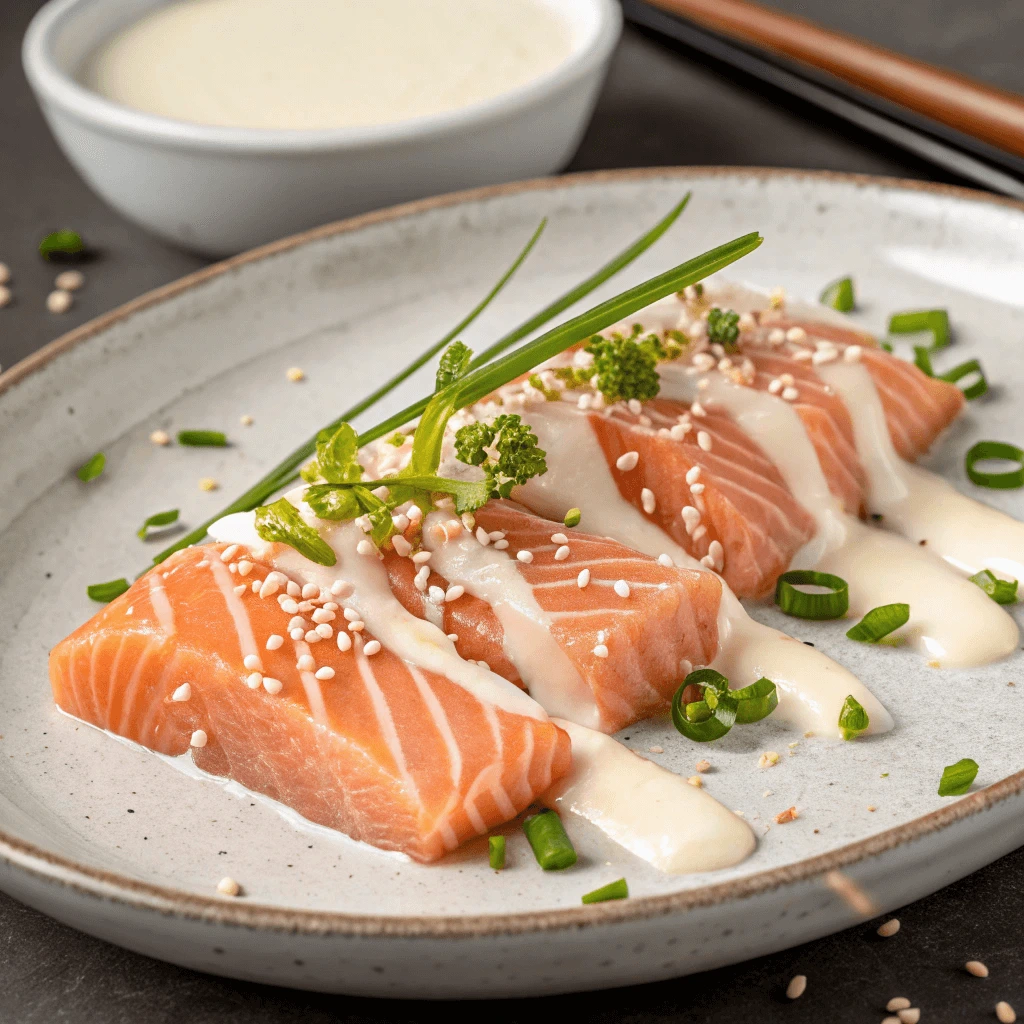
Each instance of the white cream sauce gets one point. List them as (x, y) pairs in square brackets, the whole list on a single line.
[(322, 64), (653, 813)]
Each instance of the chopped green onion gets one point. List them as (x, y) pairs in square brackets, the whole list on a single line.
[(984, 451), (853, 719), (156, 520), (885, 346), (915, 321), (107, 591), (551, 846), (923, 360), (617, 890), (1001, 591), (202, 438), (838, 295), (496, 851), (957, 778), (61, 243), (755, 702), (802, 605), (92, 469), (879, 622), (573, 517), (711, 717)]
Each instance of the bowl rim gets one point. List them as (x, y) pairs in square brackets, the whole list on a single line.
[(119, 890), (52, 85)]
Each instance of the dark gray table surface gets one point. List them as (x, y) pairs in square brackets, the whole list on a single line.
[(657, 109)]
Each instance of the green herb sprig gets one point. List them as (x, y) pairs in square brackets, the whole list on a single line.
[(958, 778), (156, 521)]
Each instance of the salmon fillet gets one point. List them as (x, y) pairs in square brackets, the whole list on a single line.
[(399, 757)]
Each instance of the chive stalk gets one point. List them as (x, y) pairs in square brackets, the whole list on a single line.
[(880, 622), (202, 438), (106, 592), (617, 890), (496, 852), (551, 845)]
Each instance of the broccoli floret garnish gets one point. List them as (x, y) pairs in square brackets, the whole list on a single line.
[(723, 327), (506, 449)]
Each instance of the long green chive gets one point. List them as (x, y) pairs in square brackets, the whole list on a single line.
[(157, 520), (202, 438), (106, 592), (879, 622), (923, 360), (853, 719), (914, 321), (839, 295), (92, 469), (985, 451), (61, 244), (1001, 591), (573, 517), (617, 890), (496, 852), (957, 778), (551, 846), (802, 605), (287, 470)]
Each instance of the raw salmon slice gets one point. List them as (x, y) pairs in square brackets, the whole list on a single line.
[(616, 658), (390, 754)]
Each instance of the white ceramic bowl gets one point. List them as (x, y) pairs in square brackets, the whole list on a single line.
[(219, 190)]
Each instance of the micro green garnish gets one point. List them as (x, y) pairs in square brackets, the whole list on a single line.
[(957, 778), (281, 523), (496, 852), (723, 327), (617, 890), (202, 438), (704, 709), (831, 605), (1001, 591), (397, 439), (915, 321), (156, 521), (572, 518), (61, 244), (839, 295), (985, 451), (923, 361), (853, 719), (548, 839), (106, 592), (93, 468), (880, 622)]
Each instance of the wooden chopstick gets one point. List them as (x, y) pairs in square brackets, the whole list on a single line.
[(992, 115)]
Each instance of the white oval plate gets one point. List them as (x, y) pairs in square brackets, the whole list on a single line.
[(114, 841)]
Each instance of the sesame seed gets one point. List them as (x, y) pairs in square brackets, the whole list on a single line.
[(898, 1003), (693, 474), (323, 615), (796, 334), (298, 622), (909, 1016), (295, 374), (244, 567), (889, 928), (373, 647), (59, 301), (648, 501), (454, 637), (977, 968), (199, 738), (252, 662), (207, 483), (436, 594), (621, 588), (297, 633), (160, 437), (420, 579), (341, 588), (701, 531), (454, 593), (1005, 1013), (255, 587), (634, 406), (482, 536), (665, 560), (717, 552), (583, 578), (351, 614), (228, 553), (310, 590), (401, 545), (703, 361), (524, 555), (364, 547), (500, 545), (696, 409), (790, 394), (627, 461), (562, 553), (289, 606), (324, 673), (775, 387), (421, 557), (601, 651), (357, 626), (583, 402), (679, 431), (344, 642), (183, 692), (246, 420), (269, 587), (696, 488), (852, 354), (796, 987), (824, 356), (69, 280), (305, 663), (691, 518), (802, 355), (240, 589), (312, 637), (253, 680), (228, 886), (559, 538)]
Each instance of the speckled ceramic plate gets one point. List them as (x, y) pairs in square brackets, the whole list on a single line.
[(119, 843)]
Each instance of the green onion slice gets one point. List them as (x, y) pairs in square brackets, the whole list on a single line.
[(617, 890), (984, 451), (756, 701), (61, 243), (106, 592), (879, 622), (156, 520), (202, 438), (551, 846), (496, 851), (92, 469), (802, 605), (957, 778), (917, 320), (573, 517), (839, 295), (853, 719), (923, 361), (711, 718), (1001, 591)]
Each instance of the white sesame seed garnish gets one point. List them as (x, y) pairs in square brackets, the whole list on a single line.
[(665, 560), (796, 334), (696, 488), (704, 361), (482, 536), (704, 440), (693, 474), (852, 354), (421, 557), (244, 567), (790, 394), (627, 461), (717, 552), (183, 692), (802, 355), (373, 647), (911, 1015), (824, 356), (240, 589), (289, 606), (253, 680), (679, 431), (306, 663), (796, 987), (524, 555), (160, 437), (453, 593), (59, 301), (600, 651), (309, 591), (199, 738), (252, 663), (270, 586), (207, 483), (496, 535), (977, 968), (69, 280), (420, 579), (898, 1003), (500, 545), (246, 420), (775, 386), (776, 336), (401, 545), (364, 547), (351, 614), (436, 595), (323, 615), (691, 518), (559, 538), (583, 578), (228, 553), (648, 501), (357, 626), (272, 685), (228, 887), (562, 553), (344, 641), (312, 637), (324, 673), (707, 561), (696, 409), (341, 588), (890, 928), (297, 633), (294, 374), (255, 586), (583, 402), (1005, 1013), (621, 588)]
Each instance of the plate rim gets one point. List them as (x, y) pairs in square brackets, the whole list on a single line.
[(120, 889)]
